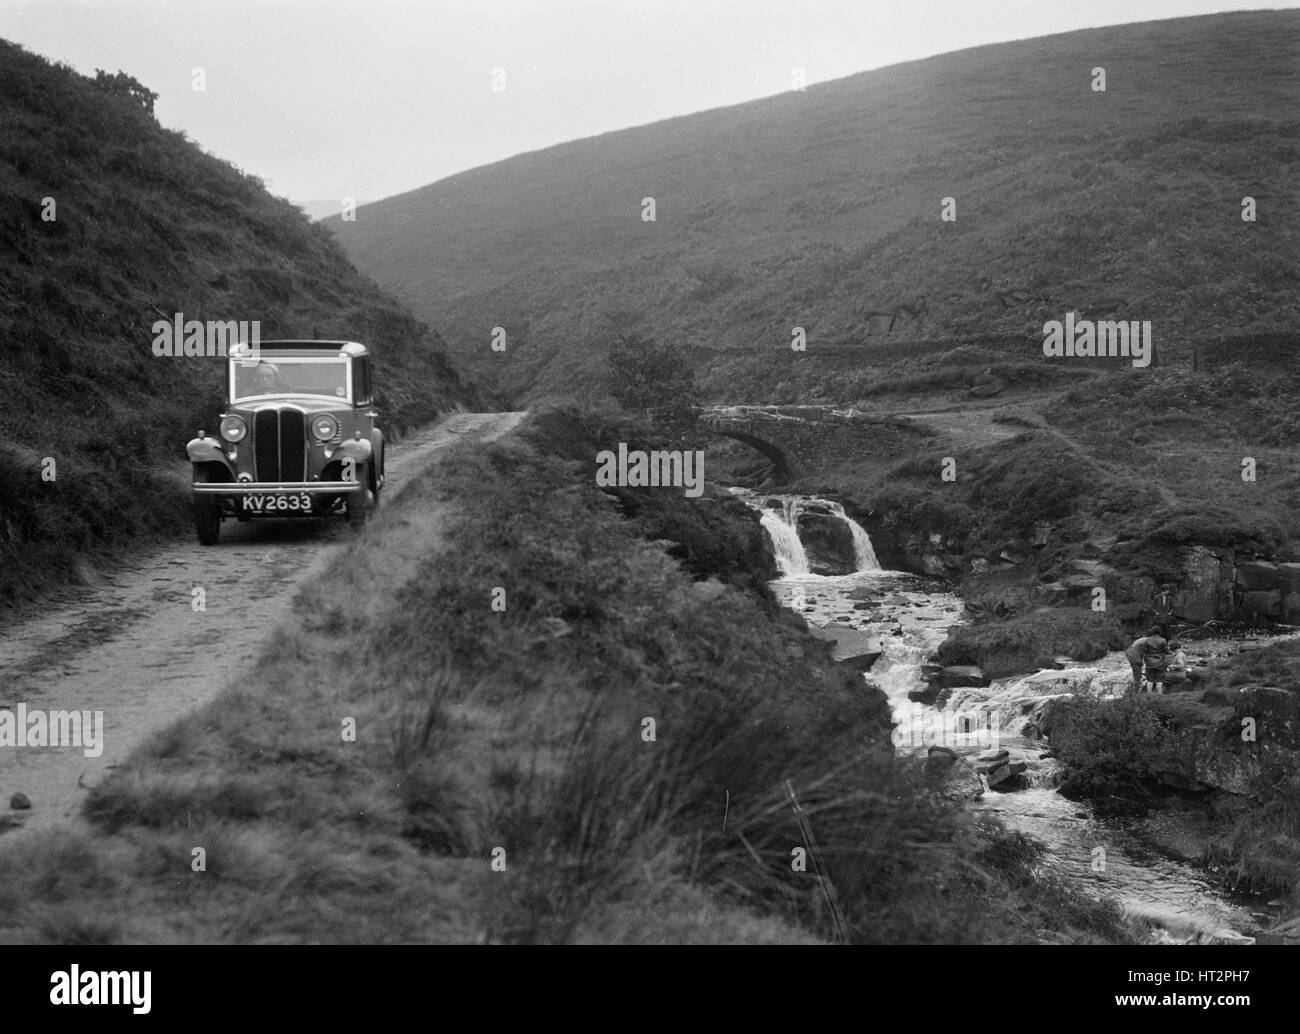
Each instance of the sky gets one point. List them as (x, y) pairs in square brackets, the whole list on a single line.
[(331, 99)]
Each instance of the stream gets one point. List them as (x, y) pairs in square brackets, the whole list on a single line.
[(911, 616)]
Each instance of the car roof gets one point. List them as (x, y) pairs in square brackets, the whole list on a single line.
[(317, 347)]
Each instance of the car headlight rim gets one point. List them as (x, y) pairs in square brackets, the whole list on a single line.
[(322, 423), (233, 429)]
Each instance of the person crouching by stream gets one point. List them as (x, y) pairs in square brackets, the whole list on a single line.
[(1151, 652), (1176, 673)]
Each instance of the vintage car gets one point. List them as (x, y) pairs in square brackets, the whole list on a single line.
[(297, 438)]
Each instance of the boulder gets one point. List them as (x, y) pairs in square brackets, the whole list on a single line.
[(20, 802), (1256, 576), (710, 589), (933, 565), (1227, 771), (1094, 569), (1288, 578), (1001, 770), (986, 386), (997, 774), (828, 543), (1052, 715), (955, 676), (939, 761), (1267, 603), (1005, 780), (1206, 588), (993, 758), (1078, 584), (957, 775), (926, 695), (1049, 592), (857, 649)]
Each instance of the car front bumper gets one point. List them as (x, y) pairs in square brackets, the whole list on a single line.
[(263, 487)]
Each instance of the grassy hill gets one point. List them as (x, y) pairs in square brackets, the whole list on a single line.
[(145, 225), (818, 208)]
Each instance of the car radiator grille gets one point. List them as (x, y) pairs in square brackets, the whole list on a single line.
[(280, 445)]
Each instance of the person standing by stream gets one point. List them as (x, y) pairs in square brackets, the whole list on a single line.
[(1162, 605)]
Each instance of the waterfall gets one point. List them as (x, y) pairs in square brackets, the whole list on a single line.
[(910, 621), (790, 557), (862, 547), (783, 531)]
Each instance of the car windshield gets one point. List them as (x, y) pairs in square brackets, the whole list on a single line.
[(285, 376)]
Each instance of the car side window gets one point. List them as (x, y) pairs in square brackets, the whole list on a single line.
[(362, 376)]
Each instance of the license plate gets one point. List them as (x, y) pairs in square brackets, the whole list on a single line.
[(278, 502)]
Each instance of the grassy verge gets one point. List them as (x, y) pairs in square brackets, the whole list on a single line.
[(1031, 641), (621, 741)]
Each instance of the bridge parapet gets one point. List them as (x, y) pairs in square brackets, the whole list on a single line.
[(796, 438), (813, 414)]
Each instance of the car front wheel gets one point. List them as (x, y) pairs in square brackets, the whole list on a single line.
[(360, 503), (207, 513)]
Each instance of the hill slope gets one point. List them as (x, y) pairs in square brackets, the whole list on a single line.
[(145, 225), (818, 208)]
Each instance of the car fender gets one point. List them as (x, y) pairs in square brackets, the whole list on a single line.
[(358, 449), (208, 450)]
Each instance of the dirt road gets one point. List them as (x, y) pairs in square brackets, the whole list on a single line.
[(136, 648)]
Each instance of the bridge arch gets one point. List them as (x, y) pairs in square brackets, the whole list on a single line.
[(787, 467), (766, 431)]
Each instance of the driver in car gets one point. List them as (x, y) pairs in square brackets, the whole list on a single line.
[(267, 379)]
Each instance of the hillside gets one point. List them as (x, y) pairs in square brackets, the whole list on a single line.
[(818, 208), (608, 759), (145, 225)]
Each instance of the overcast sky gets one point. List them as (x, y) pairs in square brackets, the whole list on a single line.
[(368, 98)]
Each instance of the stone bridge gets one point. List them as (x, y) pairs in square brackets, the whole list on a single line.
[(797, 439)]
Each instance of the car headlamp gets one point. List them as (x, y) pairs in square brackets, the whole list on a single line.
[(233, 429), (324, 427)]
